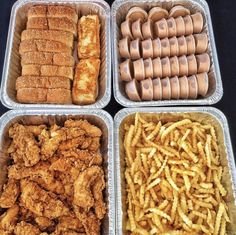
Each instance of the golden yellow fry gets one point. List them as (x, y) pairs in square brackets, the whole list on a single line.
[(218, 184), (199, 171), (190, 204), (184, 217), (141, 231), (160, 170), (131, 220), (187, 182), (153, 184), (189, 152), (173, 126), (159, 213), (146, 200), (199, 214), (163, 205), (218, 218), (169, 179), (187, 132), (183, 172), (223, 227), (141, 194), (130, 183), (206, 185), (183, 203), (151, 154), (155, 131), (174, 206), (157, 222), (137, 136)]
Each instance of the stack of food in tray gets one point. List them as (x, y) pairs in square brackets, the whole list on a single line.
[(164, 54), (47, 56), (55, 180), (173, 177)]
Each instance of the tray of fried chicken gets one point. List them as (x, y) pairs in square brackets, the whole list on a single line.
[(55, 174), (62, 55)]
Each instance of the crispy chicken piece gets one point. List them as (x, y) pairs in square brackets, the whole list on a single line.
[(99, 205), (44, 223), (82, 142), (89, 220), (25, 214), (95, 144), (87, 157), (4, 232), (51, 140), (39, 173), (83, 196), (35, 130), (73, 132), (24, 148), (69, 223), (11, 191), (90, 129), (40, 202), (24, 228), (9, 219)]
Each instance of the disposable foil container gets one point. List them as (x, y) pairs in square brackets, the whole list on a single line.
[(12, 63), (118, 13), (205, 115), (99, 118)]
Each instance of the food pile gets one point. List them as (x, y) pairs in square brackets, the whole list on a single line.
[(48, 61), (55, 180), (164, 54), (174, 178)]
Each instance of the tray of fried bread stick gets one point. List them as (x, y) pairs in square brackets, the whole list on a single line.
[(164, 53), (157, 152), (57, 168), (58, 55)]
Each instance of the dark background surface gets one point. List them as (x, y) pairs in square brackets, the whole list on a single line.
[(223, 13)]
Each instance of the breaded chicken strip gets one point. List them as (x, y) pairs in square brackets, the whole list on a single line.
[(90, 129), (11, 191), (9, 219), (50, 141), (24, 228), (83, 196), (40, 174), (41, 202), (24, 148)]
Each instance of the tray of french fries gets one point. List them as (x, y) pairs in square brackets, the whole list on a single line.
[(175, 172), (56, 172), (57, 55)]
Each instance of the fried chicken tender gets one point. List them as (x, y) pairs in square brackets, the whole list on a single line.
[(39, 173), (88, 157), (90, 129), (82, 142), (24, 228), (83, 196), (50, 141), (69, 223), (97, 188), (73, 132), (35, 130), (24, 148), (89, 220), (40, 202), (44, 223), (9, 219), (11, 191)]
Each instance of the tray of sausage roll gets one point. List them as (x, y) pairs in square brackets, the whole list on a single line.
[(164, 53), (57, 55), (56, 172)]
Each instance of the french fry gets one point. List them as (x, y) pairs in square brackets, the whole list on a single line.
[(218, 218)]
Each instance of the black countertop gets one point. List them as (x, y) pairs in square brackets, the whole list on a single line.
[(223, 19)]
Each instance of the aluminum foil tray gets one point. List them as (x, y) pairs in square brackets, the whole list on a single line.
[(118, 12), (12, 65), (99, 118)]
